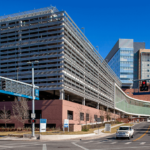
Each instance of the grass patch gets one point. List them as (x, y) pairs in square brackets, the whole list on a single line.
[(58, 132), (114, 130)]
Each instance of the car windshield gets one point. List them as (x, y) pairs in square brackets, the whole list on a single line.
[(124, 128)]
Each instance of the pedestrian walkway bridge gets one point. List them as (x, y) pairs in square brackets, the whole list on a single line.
[(129, 105)]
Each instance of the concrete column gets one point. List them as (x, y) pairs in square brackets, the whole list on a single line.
[(61, 94), (97, 106), (83, 101), (114, 111), (68, 97)]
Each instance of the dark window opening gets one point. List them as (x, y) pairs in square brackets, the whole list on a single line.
[(81, 116), (95, 117), (51, 125), (38, 114), (70, 115), (87, 117)]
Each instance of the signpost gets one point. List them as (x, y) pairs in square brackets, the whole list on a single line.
[(108, 127), (43, 125), (66, 124), (33, 115)]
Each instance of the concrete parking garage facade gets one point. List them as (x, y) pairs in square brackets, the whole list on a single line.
[(70, 69)]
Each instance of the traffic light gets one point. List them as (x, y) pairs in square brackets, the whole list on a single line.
[(144, 86), (3, 84), (33, 121)]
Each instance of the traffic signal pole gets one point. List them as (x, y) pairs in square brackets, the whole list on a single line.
[(33, 105)]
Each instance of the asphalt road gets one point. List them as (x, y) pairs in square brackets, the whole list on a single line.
[(140, 141)]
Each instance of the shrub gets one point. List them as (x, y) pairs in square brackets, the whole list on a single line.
[(86, 128)]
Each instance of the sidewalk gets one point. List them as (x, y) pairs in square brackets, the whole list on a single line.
[(65, 137)]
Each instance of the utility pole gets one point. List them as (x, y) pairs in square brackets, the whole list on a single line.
[(33, 98)]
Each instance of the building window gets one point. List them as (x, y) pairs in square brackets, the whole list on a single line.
[(81, 116), (70, 115), (95, 117), (147, 64), (147, 75), (147, 70), (87, 117)]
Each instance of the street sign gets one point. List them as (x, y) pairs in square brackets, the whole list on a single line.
[(43, 125), (33, 115), (36, 92), (108, 127), (66, 123)]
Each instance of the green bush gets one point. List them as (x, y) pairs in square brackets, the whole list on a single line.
[(86, 128)]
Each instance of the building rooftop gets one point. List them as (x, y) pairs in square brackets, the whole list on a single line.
[(28, 13)]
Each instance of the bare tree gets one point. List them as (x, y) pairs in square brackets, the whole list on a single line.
[(108, 114), (91, 118), (20, 110), (102, 113), (87, 116), (79, 110), (5, 115)]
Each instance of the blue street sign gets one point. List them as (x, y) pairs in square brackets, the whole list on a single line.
[(43, 120), (36, 92), (16, 94), (65, 125)]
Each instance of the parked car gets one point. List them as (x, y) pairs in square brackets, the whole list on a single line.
[(125, 132)]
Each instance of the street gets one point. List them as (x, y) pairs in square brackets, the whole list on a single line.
[(139, 141)]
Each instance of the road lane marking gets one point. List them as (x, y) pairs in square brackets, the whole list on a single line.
[(128, 142), (139, 147), (142, 135), (142, 143), (79, 146), (98, 142), (44, 147), (113, 143), (88, 142)]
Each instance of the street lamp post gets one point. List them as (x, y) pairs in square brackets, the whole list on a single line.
[(97, 48), (33, 97), (83, 30)]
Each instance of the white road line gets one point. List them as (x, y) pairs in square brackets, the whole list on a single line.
[(142, 143), (139, 147), (98, 142), (79, 146), (88, 142), (128, 142), (113, 143)]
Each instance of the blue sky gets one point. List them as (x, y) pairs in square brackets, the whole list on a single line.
[(105, 21)]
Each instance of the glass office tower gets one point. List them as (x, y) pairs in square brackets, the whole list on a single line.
[(120, 59)]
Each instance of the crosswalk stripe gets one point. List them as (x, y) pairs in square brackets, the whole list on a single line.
[(128, 142), (113, 142), (142, 143)]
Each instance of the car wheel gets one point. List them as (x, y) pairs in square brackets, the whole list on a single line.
[(132, 136), (129, 137), (116, 137)]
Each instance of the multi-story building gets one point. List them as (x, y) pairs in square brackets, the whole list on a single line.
[(144, 64), (70, 70), (69, 66), (123, 60)]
